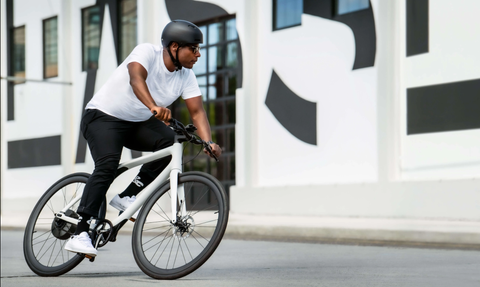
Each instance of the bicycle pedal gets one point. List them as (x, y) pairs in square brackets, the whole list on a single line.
[(90, 258)]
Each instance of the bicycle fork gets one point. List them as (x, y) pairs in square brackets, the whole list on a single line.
[(178, 192), (178, 196)]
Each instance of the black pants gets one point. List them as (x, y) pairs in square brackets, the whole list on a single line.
[(106, 137)]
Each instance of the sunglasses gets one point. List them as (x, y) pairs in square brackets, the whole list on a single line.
[(195, 49)]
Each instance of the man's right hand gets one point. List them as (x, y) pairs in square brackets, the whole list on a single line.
[(161, 113)]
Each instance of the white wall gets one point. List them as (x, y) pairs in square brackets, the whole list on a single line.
[(453, 56), (315, 60), (363, 164), (38, 106), (386, 173), (3, 93)]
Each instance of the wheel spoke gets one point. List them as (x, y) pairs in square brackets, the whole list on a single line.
[(201, 237), (200, 199), (206, 208), (166, 250), (45, 238), (45, 233), (163, 226), (165, 232), (181, 249), (166, 245), (188, 249), (47, 249), (213, 220), (167, 218), (176, 255)]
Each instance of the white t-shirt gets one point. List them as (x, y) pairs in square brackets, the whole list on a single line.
[(116, 97)]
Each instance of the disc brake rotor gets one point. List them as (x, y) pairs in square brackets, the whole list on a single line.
[(184, 227)]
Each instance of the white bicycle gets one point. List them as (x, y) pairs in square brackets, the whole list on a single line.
[(182, 218)]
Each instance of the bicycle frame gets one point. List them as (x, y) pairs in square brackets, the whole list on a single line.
[(172, 171)]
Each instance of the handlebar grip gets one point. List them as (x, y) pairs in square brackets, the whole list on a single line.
[(209, 150)]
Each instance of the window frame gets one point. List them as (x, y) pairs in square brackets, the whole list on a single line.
[(225, 171), (274, 18), (82, 33), (120, 15), (12, 49), (336, 6), (44, 21)]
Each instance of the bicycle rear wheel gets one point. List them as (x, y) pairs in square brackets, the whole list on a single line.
[(164, 250), (45, 235)]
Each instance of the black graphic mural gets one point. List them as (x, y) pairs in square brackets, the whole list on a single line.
[(34, 152), (197, 12), (436, 108), (10, 91), (193, 11), (28, 152), (297, 115), (417, 27), (92, 74), (444, 107), (361, 22), (89, 90), (304, 127)]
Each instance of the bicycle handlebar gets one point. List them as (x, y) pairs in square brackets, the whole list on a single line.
[(188, 132)]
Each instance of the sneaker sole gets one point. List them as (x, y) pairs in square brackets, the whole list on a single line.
[(117, 206), (86, 253)]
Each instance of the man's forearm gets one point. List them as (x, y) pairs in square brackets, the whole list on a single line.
[(200, 120)]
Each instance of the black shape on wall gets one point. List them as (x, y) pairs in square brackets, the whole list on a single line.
[(92, 74), (362, 24), (197, 12), (193, 11), (297, 115), (445, 107), (113, 9), (417, 27), (89, 90), (10, 90), (34, 152)]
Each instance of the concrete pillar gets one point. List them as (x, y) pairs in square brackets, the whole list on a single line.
[(388, 61)]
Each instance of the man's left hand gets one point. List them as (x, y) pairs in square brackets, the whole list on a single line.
[(216, 149)]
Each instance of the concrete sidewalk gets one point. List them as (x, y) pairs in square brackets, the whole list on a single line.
[(376, 231), (368, 231)]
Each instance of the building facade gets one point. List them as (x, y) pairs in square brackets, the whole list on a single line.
[(323, 108)]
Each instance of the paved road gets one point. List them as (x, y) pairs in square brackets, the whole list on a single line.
[(257, 263)]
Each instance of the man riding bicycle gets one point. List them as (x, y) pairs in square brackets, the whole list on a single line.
[(130, 111)]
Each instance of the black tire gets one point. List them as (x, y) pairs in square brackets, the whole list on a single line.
[(165, 251), (46, 236)]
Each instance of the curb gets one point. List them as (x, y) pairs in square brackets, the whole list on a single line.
[(469, 241)]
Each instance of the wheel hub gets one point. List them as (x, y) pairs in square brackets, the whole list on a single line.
[(184, 227), (62, 229)]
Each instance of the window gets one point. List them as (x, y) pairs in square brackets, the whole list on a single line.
[(349, 6), (128, 27), (50, 47), (19, 53), (217, 71), (287, 13), (90, 37)]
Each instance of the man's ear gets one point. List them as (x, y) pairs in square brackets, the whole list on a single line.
[(173, 47)]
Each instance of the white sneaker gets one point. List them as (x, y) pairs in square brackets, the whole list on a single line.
[(122, 203), (81, 244)]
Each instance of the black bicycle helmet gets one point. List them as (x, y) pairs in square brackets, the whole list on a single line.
[(181, 32)]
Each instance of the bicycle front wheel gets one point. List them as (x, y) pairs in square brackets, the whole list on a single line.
[(45, 235), (166, 250)]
